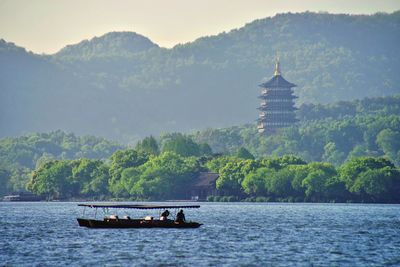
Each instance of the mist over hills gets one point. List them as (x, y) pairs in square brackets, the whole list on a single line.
[(123, 86), (110, 45)]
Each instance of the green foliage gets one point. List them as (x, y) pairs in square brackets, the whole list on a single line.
[(97, 186), (53, 179), (279, 183), (370, 132), (205, 149), (243, 153), (332, 154), (134, 175), (319, 181), (161, 177), (215, 164), (351, 169), (26, 150), (117, 44), (119, 77), (233, 174), (352, 143), (184, 146), (63, 179), (148, 145), (316, 181), (389, 142), (4, 181), (254, 182), (121, 160), (371, 179)]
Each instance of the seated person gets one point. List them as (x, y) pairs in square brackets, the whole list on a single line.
[(180, 217), (164, 215)]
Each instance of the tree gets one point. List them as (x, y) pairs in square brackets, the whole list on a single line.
[(281, 162), (148, 145), (381, 185), (254, 182), (205, 149), (332, 154), (279, 183), (389, 142), (19, 178), (98, 185), (52, 179), (121, 160), (217, 163), (233, 174), (315, 182), (243, 153), (4, 181), (162, 177), (369, 177), (181, 145), (89, 177)]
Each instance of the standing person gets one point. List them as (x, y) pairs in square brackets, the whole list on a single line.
[(180, 217)]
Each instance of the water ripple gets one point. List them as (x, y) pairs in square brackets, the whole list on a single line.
[(243, 234)]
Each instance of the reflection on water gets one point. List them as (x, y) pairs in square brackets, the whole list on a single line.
[(233, 234)]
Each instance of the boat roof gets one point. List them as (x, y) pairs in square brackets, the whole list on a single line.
[(140, 207)]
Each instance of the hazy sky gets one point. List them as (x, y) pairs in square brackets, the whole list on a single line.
[(45, 26)]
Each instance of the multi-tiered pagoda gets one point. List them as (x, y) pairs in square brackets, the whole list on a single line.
[(277, 106)]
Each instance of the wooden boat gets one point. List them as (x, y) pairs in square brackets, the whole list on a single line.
[(113, 221)]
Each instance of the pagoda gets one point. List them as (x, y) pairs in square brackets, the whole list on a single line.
[(277, 105)]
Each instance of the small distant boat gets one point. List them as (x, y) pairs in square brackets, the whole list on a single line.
[(113, 221), (22, 196)]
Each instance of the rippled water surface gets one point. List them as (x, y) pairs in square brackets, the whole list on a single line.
[(240, 234)]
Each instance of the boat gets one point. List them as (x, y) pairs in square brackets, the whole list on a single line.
[(114, 221), (23, 196)]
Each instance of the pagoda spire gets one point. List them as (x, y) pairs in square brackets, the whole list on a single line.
[(277, 66)]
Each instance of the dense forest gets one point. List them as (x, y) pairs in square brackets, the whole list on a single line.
[(103, 86), (20, 155), (346, 151), (333, 133), (137, 175)]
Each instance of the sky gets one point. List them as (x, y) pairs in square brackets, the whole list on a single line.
[(46, 26)]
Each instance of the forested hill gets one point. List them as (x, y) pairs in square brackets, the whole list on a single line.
[(336, 134), (333, 133), (123, 86), (112, 44)]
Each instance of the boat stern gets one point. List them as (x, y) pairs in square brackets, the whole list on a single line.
[(83, 222)]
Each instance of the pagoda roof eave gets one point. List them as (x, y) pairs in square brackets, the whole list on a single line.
[(277, 81)]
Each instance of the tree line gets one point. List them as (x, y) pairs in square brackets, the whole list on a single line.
[(144, 174), (328, 137), (20, 155), (141, 173), (290, 178), (332, 133)]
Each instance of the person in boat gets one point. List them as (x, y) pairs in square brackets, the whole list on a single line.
[(164, 215), (180, 217)]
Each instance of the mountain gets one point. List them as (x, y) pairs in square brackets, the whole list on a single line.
[(111, 44), (123, 86)]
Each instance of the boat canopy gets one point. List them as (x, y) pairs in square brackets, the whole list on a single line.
[(140, 207)]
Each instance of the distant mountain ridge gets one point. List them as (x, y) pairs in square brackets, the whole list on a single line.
[(123, 86), (112, 43)]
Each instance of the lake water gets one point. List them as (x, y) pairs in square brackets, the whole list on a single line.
[(233, 234)]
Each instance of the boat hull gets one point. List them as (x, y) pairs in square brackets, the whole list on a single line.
[(134, 223)]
